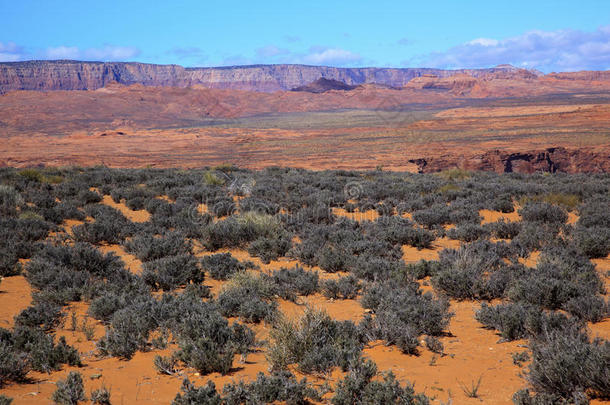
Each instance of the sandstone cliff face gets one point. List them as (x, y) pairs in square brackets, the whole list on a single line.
[(74, 75), (550, 160)]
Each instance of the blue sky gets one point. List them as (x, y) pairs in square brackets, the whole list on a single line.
[(549, 35)]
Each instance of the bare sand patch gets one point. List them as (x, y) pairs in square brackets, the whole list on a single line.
[(132, 215), (15, 296)]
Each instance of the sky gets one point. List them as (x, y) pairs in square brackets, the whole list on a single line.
[(548, 35)]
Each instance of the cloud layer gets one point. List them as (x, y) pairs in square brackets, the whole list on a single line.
[(315, 55), (561, 50), (11, 52)]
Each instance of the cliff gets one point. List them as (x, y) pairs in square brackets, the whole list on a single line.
[(75, 75)]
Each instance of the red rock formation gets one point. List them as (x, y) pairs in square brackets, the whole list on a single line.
[(550, 160), (75, 75)]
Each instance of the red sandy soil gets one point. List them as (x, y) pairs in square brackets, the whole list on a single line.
[(470, 351)]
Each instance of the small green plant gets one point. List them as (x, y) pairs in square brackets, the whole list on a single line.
[(472, 390), (455, 174), (88, 329), (73, 322), (212, 179), (520, 358), (70, 391)]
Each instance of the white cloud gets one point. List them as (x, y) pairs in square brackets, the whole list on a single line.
[(62, 52), (10, 52), (105, 53), (561, 50), (483, 42), (271, 51), (331, 56), (111, 53)]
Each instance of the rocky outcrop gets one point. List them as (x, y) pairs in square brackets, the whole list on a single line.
[(322, 85), (75, 75), (549, 160)]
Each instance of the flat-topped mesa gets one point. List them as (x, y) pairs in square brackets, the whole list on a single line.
[(76, 75)]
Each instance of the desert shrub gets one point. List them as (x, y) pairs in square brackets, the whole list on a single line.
[(148, 247), (110, 226), (68, 273), (346, 287), (589, 308), (568, 363), (170, 272), (374, 268), (434, 344), (329, 259), (222, 206), (85, 197), (206, 356), (503, 204), (533, 236), (13, 364), (221, 266), (288, 283), (104, 230), (165, 364), (10, 200), (419, 270), (189, 395), (4, 400), (594, 241), (435, 215), (249, 297), (106, 304), (561, 275), (543, 212), (403, 313), (19, 242), (45, 356), (236, 231), (70, 391), (315, 342), (360, 387), (129, 330), (509, 319), (525, 397), (280, 386), (517, 321), (468, 232), (42, 313), (594, 214), (270, 248), (100, 396), (503, 229), (397, 230), (476, 270)]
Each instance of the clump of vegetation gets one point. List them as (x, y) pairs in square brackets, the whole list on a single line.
[(403, 313), (287, 212), (170, 272), (344, 288), (70, 391), (315, 342), (296, 281), (148, 247), (249, 297), (359, 387), (222, 266)]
